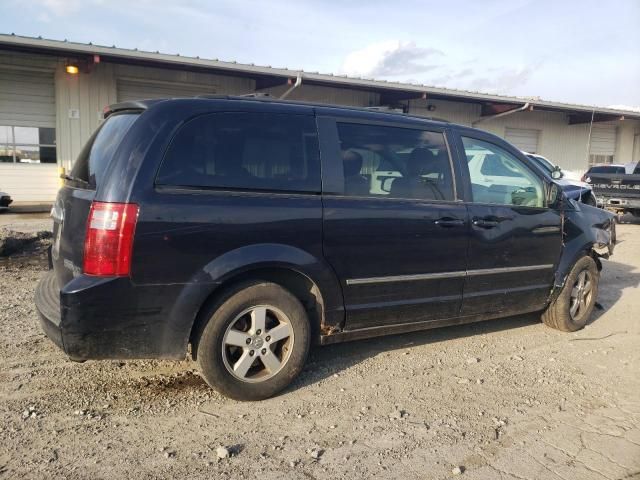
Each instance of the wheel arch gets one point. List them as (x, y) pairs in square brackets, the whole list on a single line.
[(569, 257), (299, 284), (310, 279)]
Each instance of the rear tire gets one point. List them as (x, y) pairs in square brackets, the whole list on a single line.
[(572, 308), (255, 341)]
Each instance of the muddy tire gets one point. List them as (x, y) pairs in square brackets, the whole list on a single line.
[(255, 342), (572, 308)]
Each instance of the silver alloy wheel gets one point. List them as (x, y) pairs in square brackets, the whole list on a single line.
[(257, 343), (581, 294)]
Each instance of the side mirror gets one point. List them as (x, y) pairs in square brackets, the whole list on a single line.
[(556, 173), (555, 198)]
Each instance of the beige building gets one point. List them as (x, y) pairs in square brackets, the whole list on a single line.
[(52, 96)]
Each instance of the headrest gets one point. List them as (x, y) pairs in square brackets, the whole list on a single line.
[(352, 163)]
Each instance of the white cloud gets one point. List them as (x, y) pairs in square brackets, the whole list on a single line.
[(408, 62), (390, 59)]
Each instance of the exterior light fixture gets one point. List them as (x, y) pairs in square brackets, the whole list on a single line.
[(72, 69)]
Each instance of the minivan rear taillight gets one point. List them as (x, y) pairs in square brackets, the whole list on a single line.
[(109, 240)]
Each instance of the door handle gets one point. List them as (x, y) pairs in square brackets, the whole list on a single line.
[(449, 222), (483, 223)]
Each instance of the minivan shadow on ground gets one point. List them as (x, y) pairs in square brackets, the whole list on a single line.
[(326, 361)]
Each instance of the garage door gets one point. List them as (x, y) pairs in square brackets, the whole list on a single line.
[(603, 140), (524, 139), (28, 168), (132, 89), (27, 99)]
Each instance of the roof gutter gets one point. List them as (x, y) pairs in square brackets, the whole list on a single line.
[(526, 106), (293, 87)]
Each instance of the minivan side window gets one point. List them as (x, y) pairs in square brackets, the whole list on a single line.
[(395, 162), (254, 151), (499, 177)]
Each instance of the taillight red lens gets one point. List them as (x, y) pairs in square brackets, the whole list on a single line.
[(109, 240)]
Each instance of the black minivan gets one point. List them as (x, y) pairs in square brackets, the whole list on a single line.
[(247, 228)]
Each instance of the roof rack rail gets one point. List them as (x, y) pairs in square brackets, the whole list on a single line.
[(385, 108), (211, 95), (257, 95)]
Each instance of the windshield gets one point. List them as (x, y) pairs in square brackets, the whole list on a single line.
[(99, 150), (542, 162)]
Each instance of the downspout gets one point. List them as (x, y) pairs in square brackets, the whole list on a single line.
[(293, 87), (593, 113), (503, 114)]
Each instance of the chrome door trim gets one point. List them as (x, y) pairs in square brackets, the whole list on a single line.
[(436, 276), (405, 278)]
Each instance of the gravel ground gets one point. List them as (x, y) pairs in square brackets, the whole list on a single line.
[(506, 399)]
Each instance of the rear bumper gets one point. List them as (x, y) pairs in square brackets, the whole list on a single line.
[(110, 318), (47, 302)]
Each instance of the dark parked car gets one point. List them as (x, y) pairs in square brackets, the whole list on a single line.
[(5, 201), (249, 228)]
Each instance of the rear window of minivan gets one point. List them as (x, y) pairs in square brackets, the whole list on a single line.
[(252, 151), (98, 151)]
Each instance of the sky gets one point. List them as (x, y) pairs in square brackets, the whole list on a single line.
[(574, 51)]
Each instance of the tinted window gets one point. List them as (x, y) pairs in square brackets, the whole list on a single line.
[(499, 177), (97, 153), (606, 169), (395, 162), (257, 151)]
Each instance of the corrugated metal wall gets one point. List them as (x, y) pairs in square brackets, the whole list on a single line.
[(147, 82), (563, 144), (134, 89), (328, 95), (29, 183), (455, 112), (526, 139), (80, 100), (603, 140)]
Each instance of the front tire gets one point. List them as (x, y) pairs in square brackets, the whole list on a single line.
[(255, 342), (572, 308)]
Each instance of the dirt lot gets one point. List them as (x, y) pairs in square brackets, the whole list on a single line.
[(507, 399)]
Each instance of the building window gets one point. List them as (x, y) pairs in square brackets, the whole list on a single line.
[(27, 144)]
